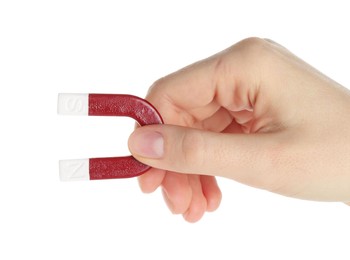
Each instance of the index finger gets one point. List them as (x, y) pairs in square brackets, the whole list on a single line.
[(183, 95), (199, 90)]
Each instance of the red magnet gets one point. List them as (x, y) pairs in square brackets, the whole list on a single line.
[(105, 105)]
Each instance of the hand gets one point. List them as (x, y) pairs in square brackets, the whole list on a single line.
[(254, 113)]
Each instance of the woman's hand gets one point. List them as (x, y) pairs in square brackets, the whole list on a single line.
[(254, 113)]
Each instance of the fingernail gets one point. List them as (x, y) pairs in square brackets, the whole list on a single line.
[(147, 144)]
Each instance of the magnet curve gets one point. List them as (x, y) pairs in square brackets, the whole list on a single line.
[(105, 105)]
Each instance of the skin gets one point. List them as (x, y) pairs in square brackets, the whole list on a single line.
[(254, 113)]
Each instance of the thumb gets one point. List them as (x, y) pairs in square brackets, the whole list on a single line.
[(243, 157)]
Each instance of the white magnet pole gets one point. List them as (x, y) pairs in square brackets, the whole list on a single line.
[(73, 104)]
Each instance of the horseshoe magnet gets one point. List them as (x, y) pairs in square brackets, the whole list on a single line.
[(105, 105)]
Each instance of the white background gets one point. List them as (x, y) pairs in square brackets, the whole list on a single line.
[(47, 47)]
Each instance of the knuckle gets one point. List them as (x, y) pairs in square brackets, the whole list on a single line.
[(254, 49), (253, 41), (156, 86), (252, 44), (193, 148)]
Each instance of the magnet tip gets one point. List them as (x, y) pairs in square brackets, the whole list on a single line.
[(74, 170)]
